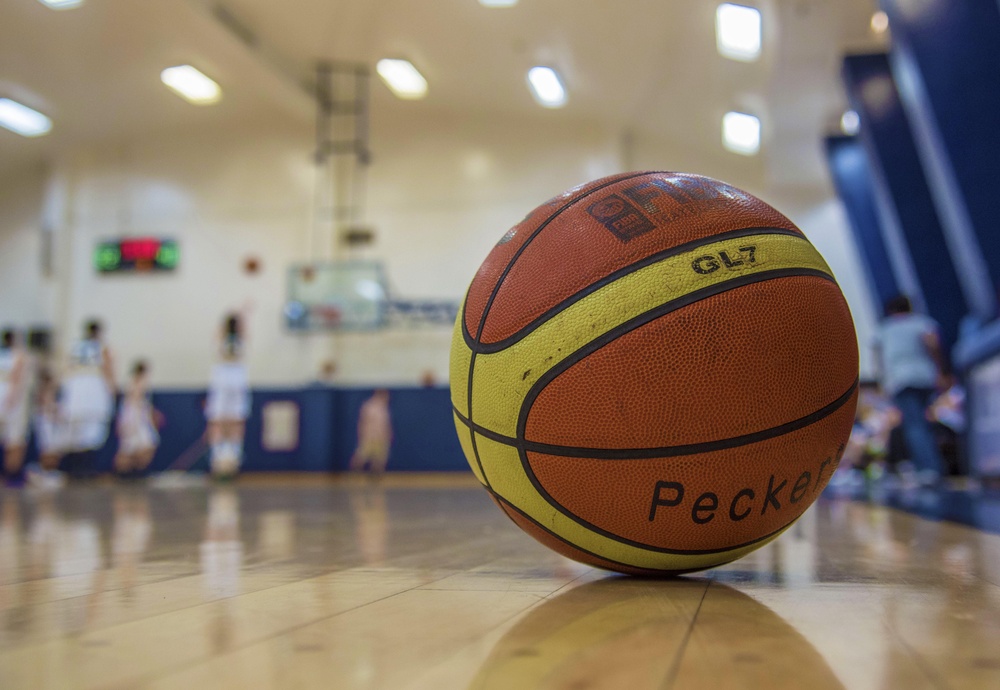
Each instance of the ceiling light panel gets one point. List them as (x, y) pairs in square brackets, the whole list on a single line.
[(741, 133), (61, 4), (547, 87), (402, 78), (22, 120), (497, 3), (737, 32), (191, 85)]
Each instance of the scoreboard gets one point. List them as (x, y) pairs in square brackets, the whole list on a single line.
[(136, 255)]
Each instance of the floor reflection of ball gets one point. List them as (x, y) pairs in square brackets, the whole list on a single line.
[(611, 634)]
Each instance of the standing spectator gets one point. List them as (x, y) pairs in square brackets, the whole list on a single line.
[(374, 434), (908, 352), (50, 431), (14, 385)]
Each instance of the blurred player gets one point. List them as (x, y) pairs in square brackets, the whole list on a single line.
[(909, 356), (88, 399), (137, 435), (14, 387), (228, 403), (865, 457), (374, 434), (50, 432)]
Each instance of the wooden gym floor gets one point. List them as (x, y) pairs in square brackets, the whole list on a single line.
[(421, 582)]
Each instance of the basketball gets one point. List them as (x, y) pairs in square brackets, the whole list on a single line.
[(251, 265), (654, 373)]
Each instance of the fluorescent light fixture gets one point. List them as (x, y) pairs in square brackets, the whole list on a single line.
[(737, 32), (546, 87), (191, 85), (62, 4), (741, 133), (880, 22), (850, 123), (497, 3), (402, 78), (22, 120)]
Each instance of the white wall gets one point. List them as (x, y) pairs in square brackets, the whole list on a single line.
[(25, 293), (441, 193), (442, 190)]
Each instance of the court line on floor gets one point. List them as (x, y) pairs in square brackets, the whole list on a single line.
[(675, 665)]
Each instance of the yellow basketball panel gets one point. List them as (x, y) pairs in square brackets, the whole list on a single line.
[(501, 380), (509, 481)]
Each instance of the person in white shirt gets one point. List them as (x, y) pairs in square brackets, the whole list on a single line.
[(228, 404), (137, 434), (88, 401), (908, 352), (49, 427)]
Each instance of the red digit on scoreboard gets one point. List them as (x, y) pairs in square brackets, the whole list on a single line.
[(140, 249)]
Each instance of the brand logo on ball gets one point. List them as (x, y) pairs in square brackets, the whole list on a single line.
[(607, 209), (731, 259), (620, 217), (742, 504)]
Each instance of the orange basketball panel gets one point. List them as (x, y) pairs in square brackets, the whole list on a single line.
[(499, 259), (706, 502), (608, 227), (736, 363)]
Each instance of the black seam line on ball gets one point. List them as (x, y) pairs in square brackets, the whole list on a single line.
[(695, 448), (545, 529), (665, 451), (520, 334), (469, 340), (651, 571), (649, 316), (472, 433), (496, 289), (640, 545), (625, 540)]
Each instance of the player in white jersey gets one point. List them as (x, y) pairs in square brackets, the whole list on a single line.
[(50, 429), (137, 434), (14, 389), (228, 404), (87, 405)]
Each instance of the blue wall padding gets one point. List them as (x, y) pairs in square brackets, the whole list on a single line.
[(853, 181), (892, 153), (423, 429), (255, 457), (954, 47), (424, 438), (317, 431)]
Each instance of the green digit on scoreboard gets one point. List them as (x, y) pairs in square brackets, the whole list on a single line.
[(108, 257), (168, 255)]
